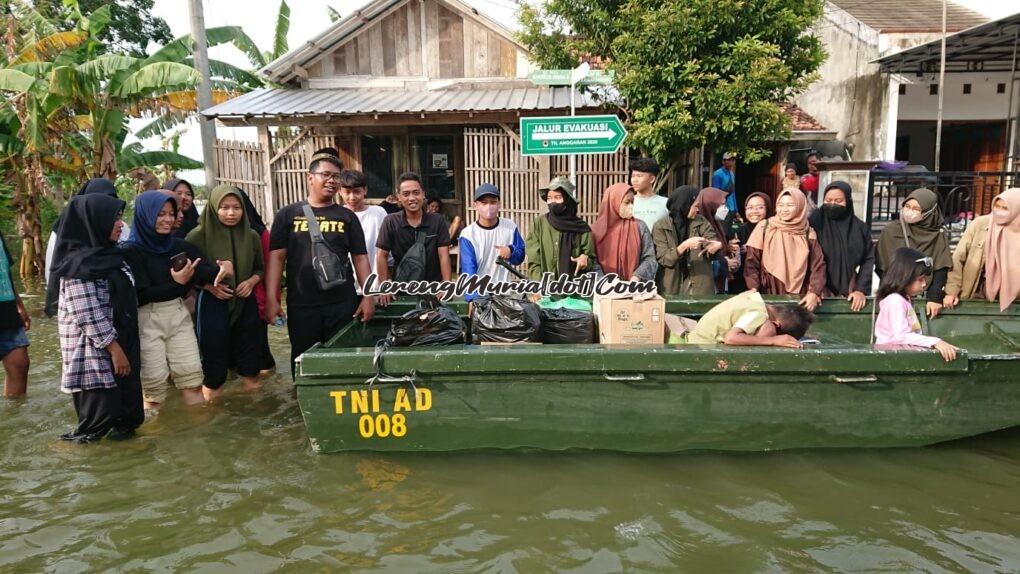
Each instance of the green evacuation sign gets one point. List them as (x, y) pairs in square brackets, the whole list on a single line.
[(569, 135), (562, 77)]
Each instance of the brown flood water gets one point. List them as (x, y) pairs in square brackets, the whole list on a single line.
[(236, 488)]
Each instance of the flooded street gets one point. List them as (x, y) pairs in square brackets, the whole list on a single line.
[(235, 487)]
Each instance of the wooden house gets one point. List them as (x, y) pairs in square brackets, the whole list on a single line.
[(431, 86)]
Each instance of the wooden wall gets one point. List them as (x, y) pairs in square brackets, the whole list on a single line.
[(455, 47), (491, 155)]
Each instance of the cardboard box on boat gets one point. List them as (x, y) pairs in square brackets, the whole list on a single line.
[(631, 322)]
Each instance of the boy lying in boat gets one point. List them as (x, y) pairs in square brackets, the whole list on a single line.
[(746, 319)]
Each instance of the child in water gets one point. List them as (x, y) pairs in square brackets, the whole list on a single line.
[(897, 323)]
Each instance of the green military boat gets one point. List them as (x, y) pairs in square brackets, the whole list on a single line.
[(841, 393)]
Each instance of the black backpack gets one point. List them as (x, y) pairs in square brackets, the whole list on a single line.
[(412, 265)]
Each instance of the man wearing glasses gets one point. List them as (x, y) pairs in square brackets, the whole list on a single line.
[(316, 315)]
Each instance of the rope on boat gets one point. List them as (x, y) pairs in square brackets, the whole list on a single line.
[(382, 377)]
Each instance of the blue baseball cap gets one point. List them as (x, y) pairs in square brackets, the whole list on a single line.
[(486, 189)]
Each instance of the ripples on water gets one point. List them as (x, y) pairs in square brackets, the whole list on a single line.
[(236, 488)]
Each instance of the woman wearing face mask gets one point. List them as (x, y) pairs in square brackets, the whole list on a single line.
[(623, 244), (985, 263), (846, 243), (560, 242), (673, 241), (920, 228), (757, 208), (707, 214), (783, 253)]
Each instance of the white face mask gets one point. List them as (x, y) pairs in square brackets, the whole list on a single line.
[(488, 211), (722, 213)]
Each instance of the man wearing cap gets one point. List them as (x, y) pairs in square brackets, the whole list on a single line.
[(489, 237), (560, 242), (725, 178)]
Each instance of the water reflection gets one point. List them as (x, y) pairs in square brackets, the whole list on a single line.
[(235, 486)]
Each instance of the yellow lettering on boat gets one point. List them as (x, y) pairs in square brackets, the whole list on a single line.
[(422, 399), (401, 402), (359, 402), (338, 399), (375, 400)]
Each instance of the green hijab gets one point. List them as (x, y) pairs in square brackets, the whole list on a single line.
[(925, 236), (219, 242)]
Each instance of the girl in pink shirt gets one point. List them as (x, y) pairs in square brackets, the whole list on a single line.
[(897, 323)]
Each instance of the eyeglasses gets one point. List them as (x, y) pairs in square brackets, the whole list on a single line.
[(327, 175), (928, 261)]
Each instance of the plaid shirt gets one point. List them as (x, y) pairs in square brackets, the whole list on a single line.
[(85, 323)]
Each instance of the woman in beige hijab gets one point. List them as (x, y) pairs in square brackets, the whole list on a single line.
[(783, 255), (981, 262)]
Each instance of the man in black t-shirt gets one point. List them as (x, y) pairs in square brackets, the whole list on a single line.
[(399, 231), (316, 315)]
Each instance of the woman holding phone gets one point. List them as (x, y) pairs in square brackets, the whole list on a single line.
[(165, 269)]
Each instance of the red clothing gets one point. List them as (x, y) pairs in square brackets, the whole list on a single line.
[(260, 289), (809, 185)]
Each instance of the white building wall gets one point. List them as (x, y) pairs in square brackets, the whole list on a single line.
[(851, 96), (982, 104)]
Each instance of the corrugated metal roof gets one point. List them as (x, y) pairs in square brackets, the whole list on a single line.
[(910, 15), (293, 103), (317, 102)]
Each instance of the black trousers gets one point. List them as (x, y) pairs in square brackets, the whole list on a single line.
[(101, 412), (268, 362), (308, 325), (224, 346)]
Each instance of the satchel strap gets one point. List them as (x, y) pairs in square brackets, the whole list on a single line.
[(313, 224)]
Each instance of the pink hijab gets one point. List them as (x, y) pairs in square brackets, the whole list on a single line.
[(1002, 271)]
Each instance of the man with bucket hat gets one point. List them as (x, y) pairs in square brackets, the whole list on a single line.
[(560, 242)]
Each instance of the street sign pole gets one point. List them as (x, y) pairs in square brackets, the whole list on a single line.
[(576, 75)]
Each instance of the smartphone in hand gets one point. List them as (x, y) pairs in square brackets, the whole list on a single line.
[(177, 262)]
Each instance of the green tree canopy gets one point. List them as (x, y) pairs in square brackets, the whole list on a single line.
[(689, 73), (131, 28)]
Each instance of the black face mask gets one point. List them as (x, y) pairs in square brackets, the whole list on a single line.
[(557, 208), (834, 210)]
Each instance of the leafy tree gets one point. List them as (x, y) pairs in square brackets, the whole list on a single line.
[(689, 73), (131, 28)]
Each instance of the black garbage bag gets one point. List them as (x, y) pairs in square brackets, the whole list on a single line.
[(565, 326), (429, 324), (499, 319)]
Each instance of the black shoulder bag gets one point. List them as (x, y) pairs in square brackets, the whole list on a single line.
[(329, 269), (412, 265)]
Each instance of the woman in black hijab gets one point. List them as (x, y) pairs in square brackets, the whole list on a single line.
[(97, 320), (186, 195), (96, 185), (846, 243), (670, 236)]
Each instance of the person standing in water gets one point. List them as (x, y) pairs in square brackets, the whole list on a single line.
[(98, 321), (227, 314)]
